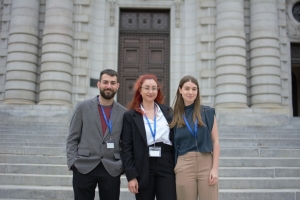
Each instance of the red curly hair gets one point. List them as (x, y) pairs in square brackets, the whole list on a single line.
[(137, 97)]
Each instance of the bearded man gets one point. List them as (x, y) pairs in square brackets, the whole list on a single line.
[(93, 150)]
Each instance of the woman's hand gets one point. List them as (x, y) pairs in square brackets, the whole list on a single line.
[(133, 186), (213, 177)]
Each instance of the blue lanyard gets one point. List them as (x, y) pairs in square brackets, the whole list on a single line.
[(189, 127), (108, 122), (152, 132)]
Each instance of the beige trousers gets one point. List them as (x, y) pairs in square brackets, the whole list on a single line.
[(192, 175)]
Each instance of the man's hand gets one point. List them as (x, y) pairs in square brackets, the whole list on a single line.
[(133, 186)]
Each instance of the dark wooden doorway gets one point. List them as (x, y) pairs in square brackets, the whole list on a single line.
[(144, 46), (295, 72)]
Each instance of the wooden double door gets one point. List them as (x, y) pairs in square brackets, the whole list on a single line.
[(143, 53)]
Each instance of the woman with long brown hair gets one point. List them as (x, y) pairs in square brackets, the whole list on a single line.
[(196, 143), (147, 151)]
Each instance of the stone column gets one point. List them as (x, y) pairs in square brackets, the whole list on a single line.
[(231, 80), (264, 54), (22, 58), (57, 54)]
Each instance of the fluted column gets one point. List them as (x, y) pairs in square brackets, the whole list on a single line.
[(231, 80), (264, 54), (57, 54), (22, 58)]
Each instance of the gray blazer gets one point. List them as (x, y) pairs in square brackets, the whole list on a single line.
[(86, 145)]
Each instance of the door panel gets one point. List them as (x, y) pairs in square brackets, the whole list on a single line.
[(141, 54)]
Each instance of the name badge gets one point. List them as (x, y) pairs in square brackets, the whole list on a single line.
[(110, 144), (155, 151)]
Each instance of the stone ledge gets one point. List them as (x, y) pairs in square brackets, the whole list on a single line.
[(207, 56), (2, 88), (253, 116), (7, 2), (2, 70), (207, 20), (208, 4), (81, 36), (35, 113), (4, 35), (81, 18), (207, 38), (82, 2), (80, 53)]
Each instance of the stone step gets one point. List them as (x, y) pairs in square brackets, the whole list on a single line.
[(257, 142), (257, 130), (49, 169), (32, 144), (52, 140), (225, 152), (35, 125), (225, 182), (259, 152), (43, 180), (48, 192), (61, 142), (258, 162), (224, 161), (295, 126), (33, 128), (38, 134), (24, 150), (228, 142), (63, 193), (35, 132), (33, 137), (259, 172), (259, 183), (259, 135), (30, 159), (259, 194)]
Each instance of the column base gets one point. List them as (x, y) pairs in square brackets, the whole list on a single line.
[(55, 102), (231, 105), (18, 102), (266, 105)]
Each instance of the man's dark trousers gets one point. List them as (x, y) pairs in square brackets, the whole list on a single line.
[(84, 185)]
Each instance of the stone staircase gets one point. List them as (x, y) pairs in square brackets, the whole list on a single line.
[(257, 163), (260, 163)]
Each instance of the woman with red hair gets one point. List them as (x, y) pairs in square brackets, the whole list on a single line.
[(147, 152)]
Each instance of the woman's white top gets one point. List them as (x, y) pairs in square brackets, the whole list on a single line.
[(162, 128)]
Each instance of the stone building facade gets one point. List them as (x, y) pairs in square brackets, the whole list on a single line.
[(244, 53)]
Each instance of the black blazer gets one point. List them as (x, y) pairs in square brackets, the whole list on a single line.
[(135, 150)]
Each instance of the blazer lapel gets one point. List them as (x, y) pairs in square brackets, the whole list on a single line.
[(166, 114), (138, 119), (95, 111)]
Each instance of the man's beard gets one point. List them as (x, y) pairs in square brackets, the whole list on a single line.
[(107, 96)]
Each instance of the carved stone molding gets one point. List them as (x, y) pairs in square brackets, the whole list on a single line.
[(293, 26), (112, 12), (1, 12), (177, 12), (293, 30)]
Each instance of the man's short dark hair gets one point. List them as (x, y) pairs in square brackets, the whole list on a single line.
[(109, 72)]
